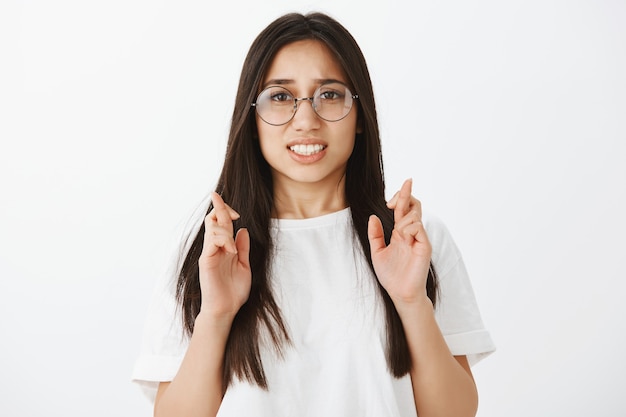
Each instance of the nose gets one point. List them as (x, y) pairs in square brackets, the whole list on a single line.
[(305, 117)]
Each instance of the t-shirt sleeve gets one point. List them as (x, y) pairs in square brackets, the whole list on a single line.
[(456, 310), (163, 344)]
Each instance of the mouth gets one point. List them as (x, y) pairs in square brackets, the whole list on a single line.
[(306, 150)]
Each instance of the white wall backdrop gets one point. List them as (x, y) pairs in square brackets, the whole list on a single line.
[(509, 115)]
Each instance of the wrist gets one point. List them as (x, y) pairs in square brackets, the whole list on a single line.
[(207, 319), (418, 306)]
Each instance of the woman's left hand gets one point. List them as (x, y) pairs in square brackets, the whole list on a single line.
[(402, 266)]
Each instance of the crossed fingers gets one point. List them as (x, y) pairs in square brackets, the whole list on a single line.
[(407, 211), (218, 226)]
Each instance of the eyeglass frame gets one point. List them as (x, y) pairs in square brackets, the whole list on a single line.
[(309, 99)]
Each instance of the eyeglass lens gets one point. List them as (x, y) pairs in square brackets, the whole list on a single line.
[(276, 105)]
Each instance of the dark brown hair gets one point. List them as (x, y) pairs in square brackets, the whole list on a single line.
[(246, 185)]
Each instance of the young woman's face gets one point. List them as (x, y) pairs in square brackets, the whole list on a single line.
[(307, 149)]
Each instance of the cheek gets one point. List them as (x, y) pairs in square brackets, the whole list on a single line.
[(263, 145), (268, 144), (261, 135), (350, 147), (349, 135)]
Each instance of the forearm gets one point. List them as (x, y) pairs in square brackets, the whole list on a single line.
[(197, 390), (441, 386)]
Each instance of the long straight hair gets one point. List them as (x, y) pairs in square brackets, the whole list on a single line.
[(246, 185)]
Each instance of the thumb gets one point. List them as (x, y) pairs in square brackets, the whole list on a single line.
[(242, 243), (375, 234)]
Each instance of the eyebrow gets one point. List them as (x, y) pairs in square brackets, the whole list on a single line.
[(286, 81)]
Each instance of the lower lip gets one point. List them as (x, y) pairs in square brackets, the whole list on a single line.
[(307, 159)]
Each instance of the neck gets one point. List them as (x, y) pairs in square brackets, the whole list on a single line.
[(299, 200)]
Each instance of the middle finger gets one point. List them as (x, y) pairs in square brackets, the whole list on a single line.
[(222, 214)]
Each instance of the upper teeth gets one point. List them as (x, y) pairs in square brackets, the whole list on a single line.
[(307, 149)]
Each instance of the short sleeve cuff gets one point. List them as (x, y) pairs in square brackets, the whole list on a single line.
[(476, 345), (150, 370)]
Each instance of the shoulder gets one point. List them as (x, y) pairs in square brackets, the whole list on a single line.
[(434, 225), (456, 311), (445, 251)]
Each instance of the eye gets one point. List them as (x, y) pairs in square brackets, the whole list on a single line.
[(281, 96), (330, 95)]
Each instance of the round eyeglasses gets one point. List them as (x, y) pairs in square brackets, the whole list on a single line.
[(331, 101)]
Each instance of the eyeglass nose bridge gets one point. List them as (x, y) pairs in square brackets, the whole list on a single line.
[(309, 99)]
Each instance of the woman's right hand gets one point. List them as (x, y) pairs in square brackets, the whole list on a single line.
[(224, 265)]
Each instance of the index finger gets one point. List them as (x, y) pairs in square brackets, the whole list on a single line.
[(403, 202), (220, 201), (222, 214)]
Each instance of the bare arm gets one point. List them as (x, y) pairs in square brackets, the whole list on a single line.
[(442, 384), (197, 387), (224, 271)]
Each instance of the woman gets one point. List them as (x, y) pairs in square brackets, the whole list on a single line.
[(304, 292)]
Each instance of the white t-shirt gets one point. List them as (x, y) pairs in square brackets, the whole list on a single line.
[(336, 363)]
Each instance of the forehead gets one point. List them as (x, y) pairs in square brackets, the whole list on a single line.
[(305, 61)]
